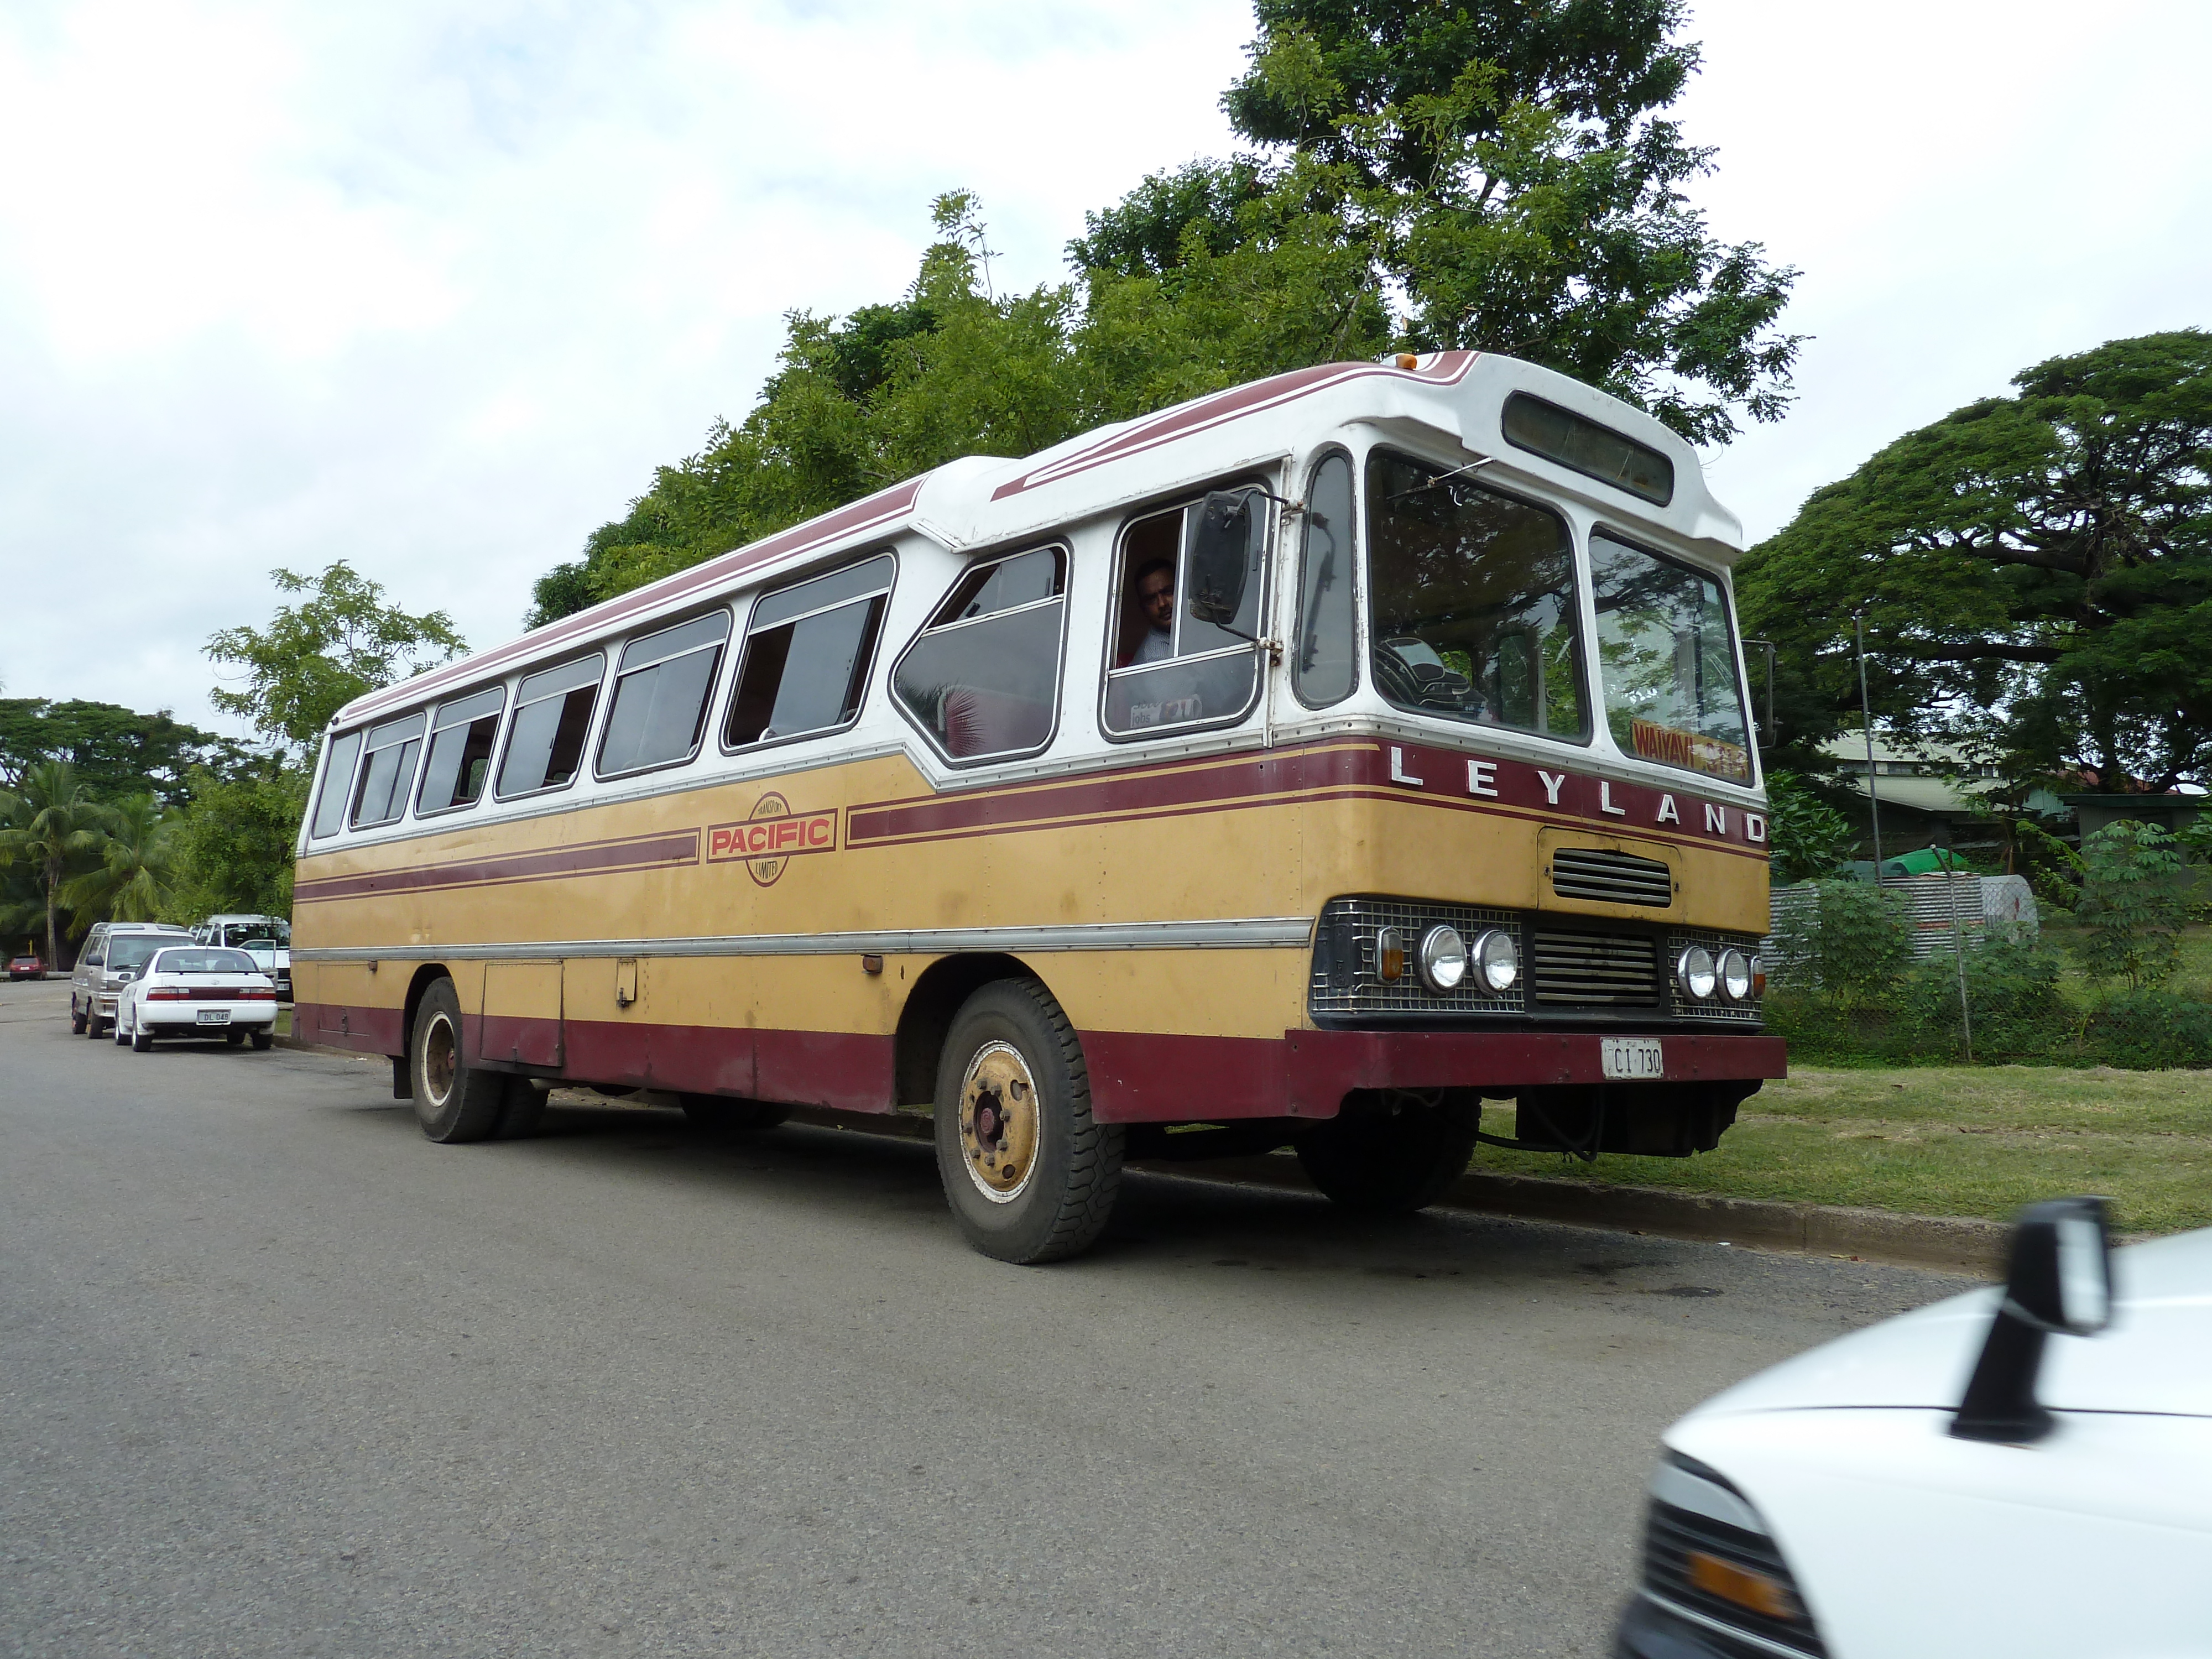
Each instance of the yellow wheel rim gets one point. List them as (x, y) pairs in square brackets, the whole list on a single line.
[(999, 1121), (440, 1060)]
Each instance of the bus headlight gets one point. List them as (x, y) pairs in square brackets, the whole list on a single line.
[(1693, 973), (1496, 962), (1736, 975), (1443, 958)]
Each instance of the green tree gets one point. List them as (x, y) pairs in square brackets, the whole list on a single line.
[(52, 823), (342, 641), (2134, 904), (1496, 174), (234, 848), (1807, 839), (130, 883), (116, 751), (2045, 559)]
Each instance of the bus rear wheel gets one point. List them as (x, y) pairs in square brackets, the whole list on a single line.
[(1392, 1152), (454, 1100), (1030, 1175)]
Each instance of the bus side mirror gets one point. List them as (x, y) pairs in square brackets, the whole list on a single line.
[(2060, 1282), (1220, 556)]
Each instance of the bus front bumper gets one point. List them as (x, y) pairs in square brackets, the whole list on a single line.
[(1146, 1077)]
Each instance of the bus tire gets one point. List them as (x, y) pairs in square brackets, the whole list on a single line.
[(454, 1101), (1030, 1175), (728, 1114), (1390, 1152), (524, 1113)]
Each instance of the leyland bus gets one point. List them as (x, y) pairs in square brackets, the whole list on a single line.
[(1304, 766)]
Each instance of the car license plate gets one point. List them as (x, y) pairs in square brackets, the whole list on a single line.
[(1632, 1057), (222, 1017)]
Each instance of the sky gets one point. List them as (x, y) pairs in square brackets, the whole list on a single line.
[(432, 288)]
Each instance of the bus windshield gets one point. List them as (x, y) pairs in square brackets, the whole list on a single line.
[(1475, 615), (1668, 662)]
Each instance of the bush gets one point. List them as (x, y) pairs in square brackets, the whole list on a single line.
[(2151, 1030), (1807, 839), (2134, 904), (1851, 945), (2012, 992)]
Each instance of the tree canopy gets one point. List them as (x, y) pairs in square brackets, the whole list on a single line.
[(1492, 173), (116, 751), (2034, 572)]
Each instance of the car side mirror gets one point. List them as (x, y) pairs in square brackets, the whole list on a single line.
[(2059, 1282), (1220, 556)]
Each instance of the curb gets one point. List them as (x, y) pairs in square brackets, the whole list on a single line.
[(1957, 1244)]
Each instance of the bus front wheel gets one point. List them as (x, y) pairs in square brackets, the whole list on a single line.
[(1392, 1152), (454, 1101), (1030, 1175)]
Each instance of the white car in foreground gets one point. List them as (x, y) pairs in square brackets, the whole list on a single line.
[(197, 991), (1941, 1485)]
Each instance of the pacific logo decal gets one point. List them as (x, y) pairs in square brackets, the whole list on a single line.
[(771, 838)]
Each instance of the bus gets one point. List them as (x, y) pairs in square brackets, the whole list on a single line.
[(1302, 766)]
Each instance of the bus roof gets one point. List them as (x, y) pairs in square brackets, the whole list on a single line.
[(980, 502)]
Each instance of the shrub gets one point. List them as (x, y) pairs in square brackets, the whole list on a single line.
[(2012, 992), (2134, 904), (2151, 1030), (1851, 945), (1807, 839)]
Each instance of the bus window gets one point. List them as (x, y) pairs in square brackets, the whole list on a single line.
[(1325, 668), (1668, 662), (661, 686), (806, 655), (982, 679), (1172, 668), (389, 773), (1473, 595), (338, 781), (462, 735), (552, 717)]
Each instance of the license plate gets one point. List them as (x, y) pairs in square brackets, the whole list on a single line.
[(1639, 1058), (222, 1017)]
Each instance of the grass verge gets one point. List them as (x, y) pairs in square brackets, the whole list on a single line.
[(1943, 1141)]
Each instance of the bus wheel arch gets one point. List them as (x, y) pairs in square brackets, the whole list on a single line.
[(425, 976), (926, 1018)]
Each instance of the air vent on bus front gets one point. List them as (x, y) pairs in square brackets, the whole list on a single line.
[(1598, 968), (1593, 872)]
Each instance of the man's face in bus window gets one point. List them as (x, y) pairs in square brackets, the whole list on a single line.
[(1155, 594)]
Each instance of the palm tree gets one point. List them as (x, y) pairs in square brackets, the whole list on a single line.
[(132, 882), (50, 819)]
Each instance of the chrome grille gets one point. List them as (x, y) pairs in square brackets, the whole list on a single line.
[(1610, 877), (1720, 1009), (1670, 1534), (1345, 980), (1596, 970)]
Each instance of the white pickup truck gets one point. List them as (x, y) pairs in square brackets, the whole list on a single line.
[(267, 940)]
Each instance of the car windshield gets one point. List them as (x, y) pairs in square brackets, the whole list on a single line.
[(1473, 596), (1667, 658), (132, 949), (202, 961), (256, 933)]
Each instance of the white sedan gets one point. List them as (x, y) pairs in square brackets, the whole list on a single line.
[(197, 991), (1939, 1485)]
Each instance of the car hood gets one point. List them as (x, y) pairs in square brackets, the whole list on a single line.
[(2156, 1357)]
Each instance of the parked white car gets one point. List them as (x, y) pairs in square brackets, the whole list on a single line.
[(197, 991), (1938, 1484), (267, 940)]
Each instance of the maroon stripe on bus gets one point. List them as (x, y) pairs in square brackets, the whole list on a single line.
[(339, 1025), (586, 859)]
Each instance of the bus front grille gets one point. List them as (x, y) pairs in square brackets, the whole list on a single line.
[(1610, 877), (1594, 970)]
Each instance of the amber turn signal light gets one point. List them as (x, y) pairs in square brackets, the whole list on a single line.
[(1768, 1597)]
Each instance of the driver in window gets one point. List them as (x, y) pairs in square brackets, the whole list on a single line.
[(1155, 598)]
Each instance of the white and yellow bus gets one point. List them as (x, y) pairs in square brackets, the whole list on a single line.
[(1302, 766)]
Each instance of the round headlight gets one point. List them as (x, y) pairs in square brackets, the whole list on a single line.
[(1443, 958), (1736, 975), (1497, 962), (1693, 972)]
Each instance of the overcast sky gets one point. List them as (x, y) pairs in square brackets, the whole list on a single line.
[(431, 287)]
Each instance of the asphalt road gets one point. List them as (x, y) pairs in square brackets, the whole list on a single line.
[(278, 1377)]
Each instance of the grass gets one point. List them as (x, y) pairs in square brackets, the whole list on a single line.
[(1944, 1140)]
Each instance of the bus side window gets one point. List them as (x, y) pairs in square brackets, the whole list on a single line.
[(806, 654), (1325, 667), (462, 734), (982, 678), (661, 686), (337, 785), (389, 776), (552, 717), (1172, 668)]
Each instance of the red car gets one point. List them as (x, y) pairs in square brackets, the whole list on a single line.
[(27, 967)]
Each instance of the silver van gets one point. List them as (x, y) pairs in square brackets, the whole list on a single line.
[(114, 954)]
